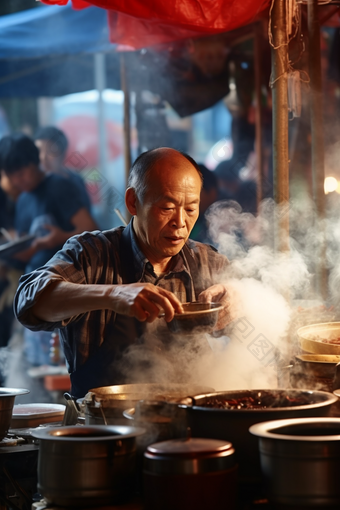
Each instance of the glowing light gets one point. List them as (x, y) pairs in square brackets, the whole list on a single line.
[(331, 184)]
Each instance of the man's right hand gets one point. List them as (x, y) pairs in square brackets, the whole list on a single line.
[(144, 301)]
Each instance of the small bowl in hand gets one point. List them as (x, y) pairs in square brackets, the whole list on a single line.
[(197, 316)]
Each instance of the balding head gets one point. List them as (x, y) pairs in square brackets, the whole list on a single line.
[(147, 161)]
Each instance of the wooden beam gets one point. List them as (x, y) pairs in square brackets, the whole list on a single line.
[(280, 121)]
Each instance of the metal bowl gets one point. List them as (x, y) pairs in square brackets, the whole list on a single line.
[(310, 338), (196, 316)]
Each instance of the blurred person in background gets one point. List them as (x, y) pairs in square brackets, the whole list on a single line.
[(52, 144), (228, 171), (10, 271), (209, 195), (49, 206)]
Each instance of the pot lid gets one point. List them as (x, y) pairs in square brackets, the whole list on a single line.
[(189, 456), (192, 447), (23, 411)]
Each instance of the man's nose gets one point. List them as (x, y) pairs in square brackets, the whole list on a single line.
[(178, 218)]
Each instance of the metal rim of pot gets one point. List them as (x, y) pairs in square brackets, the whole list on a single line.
[(96, 433), (328, 399), (267, 429), (12, 392)]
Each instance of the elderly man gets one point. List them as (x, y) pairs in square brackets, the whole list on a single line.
[(105, 290)]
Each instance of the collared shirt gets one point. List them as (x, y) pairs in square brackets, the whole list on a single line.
[(99, 258)]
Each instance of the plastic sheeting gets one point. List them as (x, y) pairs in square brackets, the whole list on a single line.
[(48, 51), (140, 23)]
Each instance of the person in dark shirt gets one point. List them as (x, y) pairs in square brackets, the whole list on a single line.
[(49, 206), (52, 144)]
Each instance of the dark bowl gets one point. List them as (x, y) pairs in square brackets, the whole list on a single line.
[(196, 316)]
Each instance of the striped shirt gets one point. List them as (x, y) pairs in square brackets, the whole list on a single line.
[(98, 258)]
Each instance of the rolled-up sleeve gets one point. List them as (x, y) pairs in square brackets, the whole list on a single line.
[(66, 265)]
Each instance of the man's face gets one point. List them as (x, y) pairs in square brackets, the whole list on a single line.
[(49, 155), (25, 179), (170, 208)]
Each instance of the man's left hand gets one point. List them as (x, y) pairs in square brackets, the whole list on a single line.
[(218, 294)]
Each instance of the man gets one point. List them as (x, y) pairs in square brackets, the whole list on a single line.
[(105, 290), (52, 144), (48, 205)]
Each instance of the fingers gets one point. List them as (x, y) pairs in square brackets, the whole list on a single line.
[(215, 293), (146, 301), (164, 300)]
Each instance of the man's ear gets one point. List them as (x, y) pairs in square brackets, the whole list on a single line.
[(130, 201)]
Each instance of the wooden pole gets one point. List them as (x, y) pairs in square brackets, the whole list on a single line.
[(318, 152), (258, 113), (280, 121), (127, 127)]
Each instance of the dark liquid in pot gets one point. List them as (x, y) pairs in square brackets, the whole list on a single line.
[(260, 400)]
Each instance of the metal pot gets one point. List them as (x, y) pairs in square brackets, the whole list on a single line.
[(7, 397), (161, 420), (233, 424), (314, 371), (190, 473), (84, 466), (300, 461), (106, 405)]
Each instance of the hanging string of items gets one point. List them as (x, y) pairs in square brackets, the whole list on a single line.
[(294, 76)]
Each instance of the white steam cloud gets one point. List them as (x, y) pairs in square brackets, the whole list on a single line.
[(266, 288)]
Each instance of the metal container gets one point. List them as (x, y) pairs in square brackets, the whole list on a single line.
[(190, 473), (196, 316), (310, 338), (106, 405), (7, 398), (314, 371), (233, 424), (33, 415), (300, 461), (87, 466)]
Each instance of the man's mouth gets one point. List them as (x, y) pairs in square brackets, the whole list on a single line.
[(174, 239)]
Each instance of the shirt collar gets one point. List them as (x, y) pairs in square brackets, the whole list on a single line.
[(141, 262)]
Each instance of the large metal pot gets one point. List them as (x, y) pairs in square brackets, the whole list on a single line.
[(106, 405), (84, 466), (7, 397), (233, 424), (300, 461)]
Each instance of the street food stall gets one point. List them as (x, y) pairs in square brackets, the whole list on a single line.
[(169, 446)]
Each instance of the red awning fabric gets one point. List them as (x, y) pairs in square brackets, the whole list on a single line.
[(140, 23)]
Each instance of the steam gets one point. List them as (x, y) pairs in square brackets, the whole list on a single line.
[(267, 290)]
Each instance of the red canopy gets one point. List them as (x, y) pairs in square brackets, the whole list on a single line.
[(140, 23)]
